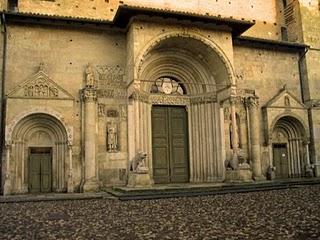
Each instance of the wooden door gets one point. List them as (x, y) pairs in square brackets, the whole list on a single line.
[(280, 160), (170, 144), (40, 170)]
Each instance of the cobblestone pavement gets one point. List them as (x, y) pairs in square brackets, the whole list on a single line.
[(280, 214)]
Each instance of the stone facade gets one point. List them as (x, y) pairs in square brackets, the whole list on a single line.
[(81, 80)]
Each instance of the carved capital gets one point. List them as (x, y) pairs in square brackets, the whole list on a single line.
[(140, 96), (8, 144), (251, 102), (89, 95), (234, 100)]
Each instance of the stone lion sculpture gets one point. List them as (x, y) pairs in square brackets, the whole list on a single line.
[(138, 163)]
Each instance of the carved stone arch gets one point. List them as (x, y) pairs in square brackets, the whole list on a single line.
[(293, 116), (289, 143), (11, 126), (37, 130), (193, 35)]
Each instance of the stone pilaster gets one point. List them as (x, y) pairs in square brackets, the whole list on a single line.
[(234, 137), (252, 104), (70, 187), (90, 101), (7, 187)]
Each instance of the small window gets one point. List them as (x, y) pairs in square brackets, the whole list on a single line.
[(12, 5), (284, 34)]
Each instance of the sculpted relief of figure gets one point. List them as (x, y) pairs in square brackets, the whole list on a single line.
[(90, 80), (112, 137)]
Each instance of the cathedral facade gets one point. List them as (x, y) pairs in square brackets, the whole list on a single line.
[(135, 93)]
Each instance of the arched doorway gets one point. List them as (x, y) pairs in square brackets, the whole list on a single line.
[(181, 75), (38, 155), (290, 155)]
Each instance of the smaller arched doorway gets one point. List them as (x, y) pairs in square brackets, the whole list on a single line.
[(290, 156), (38, 155)]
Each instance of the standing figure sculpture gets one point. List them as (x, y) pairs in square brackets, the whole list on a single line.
[(112, 138), (90, 80)]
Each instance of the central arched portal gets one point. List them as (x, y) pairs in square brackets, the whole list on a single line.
[(176, 112)]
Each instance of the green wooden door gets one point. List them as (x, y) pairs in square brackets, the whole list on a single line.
[(280, 160), (40, 171), (170, 144)]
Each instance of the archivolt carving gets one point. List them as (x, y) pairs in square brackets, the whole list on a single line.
[(11, 126), (190, 34)]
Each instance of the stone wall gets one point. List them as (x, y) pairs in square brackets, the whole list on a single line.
[(266, 71), (65, 52), (263, 12)]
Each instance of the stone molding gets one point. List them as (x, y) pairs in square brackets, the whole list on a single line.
[(40, 110), (251, 102), (190, 34), (161, 99)]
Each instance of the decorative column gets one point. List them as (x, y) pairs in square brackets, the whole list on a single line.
[(90, 99), (70, 187), (7, 188), (234, 138), (253, 104)]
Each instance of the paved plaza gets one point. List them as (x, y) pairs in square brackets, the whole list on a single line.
[(279, 214)]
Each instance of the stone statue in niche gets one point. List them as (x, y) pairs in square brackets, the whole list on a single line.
[(90, 80), (112, 137)]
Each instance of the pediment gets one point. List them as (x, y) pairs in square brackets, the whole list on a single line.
[(39, 86), (284, 99)]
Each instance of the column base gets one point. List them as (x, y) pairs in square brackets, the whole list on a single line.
[(70, 185), (239, 175), (317, 170), (139, 180), (259, 178), (91, 186), (7, 188)]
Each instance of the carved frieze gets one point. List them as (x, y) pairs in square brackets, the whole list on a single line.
[(169, 99), (111, 76), (112, 93), (39, 86)]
